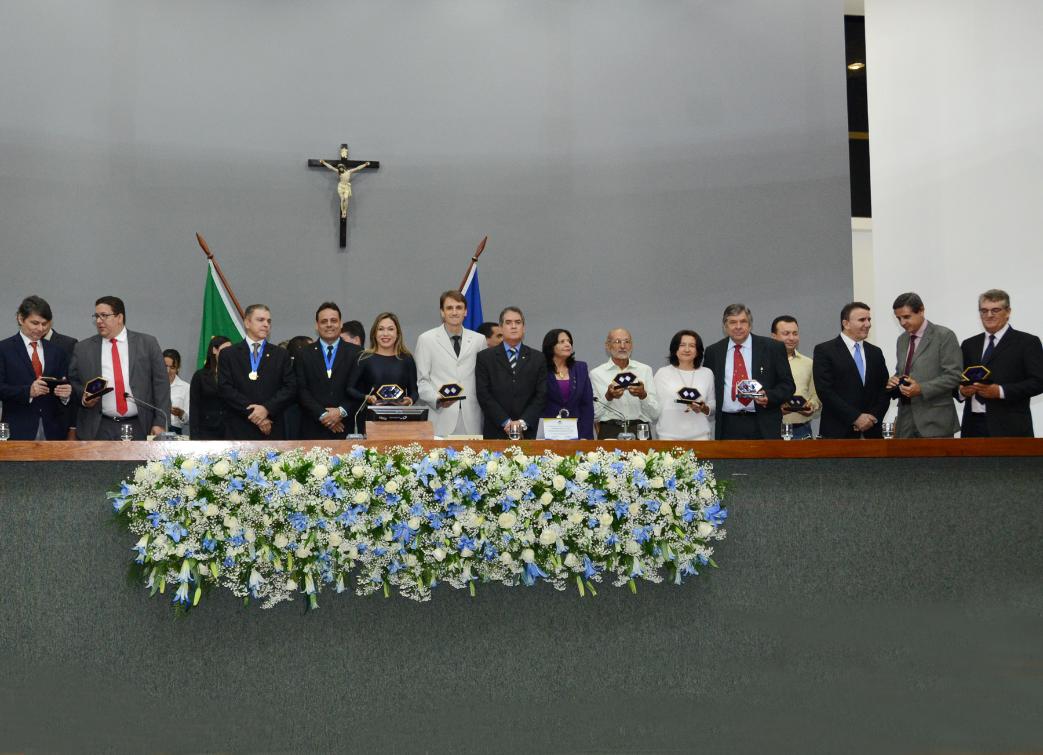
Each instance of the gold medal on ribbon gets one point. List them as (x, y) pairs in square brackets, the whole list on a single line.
[(252, 375)]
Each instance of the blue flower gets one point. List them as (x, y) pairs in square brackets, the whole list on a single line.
[(688, 514), (362, 547), (456, 510), (380, 550), (233, 456), (425, 470), (331, 489), (671, 484), (688, 570), (417, 509), (191, 475), (652, 505), (334, 462), (283, 486), (532, 571), (618, 467), (253, 474), (118, 503), (489, 552), (156, 519), (395, 566), (637, 571), (640, 479), (440, 493), (209, 544), (611, 539), (507, 503), (481, 470), (299, 521), (642, 534), (531, 472), (622, 512), (596, 497), (435, 520), (237, 540), (175, 531), (402, 532), (271, 455), (124, 490), (235, 484), (466, 543), (358, 453), (592, 522), (714, 514), (589, 570), (703, 559), (228, 562), (699, 476), (450, 453), (595, 468)]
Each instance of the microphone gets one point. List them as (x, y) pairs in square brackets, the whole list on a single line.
[(626, 434), (166, 435), (355, 420)]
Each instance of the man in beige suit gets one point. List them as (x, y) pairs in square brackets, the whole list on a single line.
[(446, 355), (929, 366)]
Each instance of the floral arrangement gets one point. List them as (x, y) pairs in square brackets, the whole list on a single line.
[(269, 526)]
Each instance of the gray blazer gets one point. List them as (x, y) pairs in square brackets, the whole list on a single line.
[(148, 381), (937, 367)]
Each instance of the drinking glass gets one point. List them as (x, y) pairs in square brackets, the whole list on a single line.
[(642, 431), (5, 431), (888, 429), (514, 433), (126, 431), (787, 431)]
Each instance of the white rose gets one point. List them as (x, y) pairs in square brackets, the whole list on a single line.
[(514, 493), (605, 519), (576, 517), (705, 494), (190, 491), (181, 550), (637, 461), (506, 558), (291, 585), (212, 509), (466, 552), (149, 504), (319, 471), (656, 482), (592, 457), (155, 468), (571, 561), (679, 508), (528, 556), (296, 488), (632, 548), (507, 519), (559, 482), (657, 530), (388, 534), (612, 484), (353, 551), (704, 529), (473, 520), (334, 539), (230, 522), (527, 537), (664, 508), (522, 460), (546, 499), (506, 470), (457, 528), (221, 468), (634, 508), (188, 465), (549, 536), (435, 453), (140, 474), (391, 487), (411, 560), (439, 554), (329, 506), (492, 467), (358, 471), (361, 496), (414, 523), (281, 540), (582, 475), (235, 497)]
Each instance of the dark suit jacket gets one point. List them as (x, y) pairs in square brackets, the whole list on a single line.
[(275, 389), (580, 403), (1017, 366), (206, 412), (769, 367), (842, 393), (315, 391), (16, 376), (148, 381), (67, 344), (504, 395)]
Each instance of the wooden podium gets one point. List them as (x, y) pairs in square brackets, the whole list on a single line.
[(391, 430)]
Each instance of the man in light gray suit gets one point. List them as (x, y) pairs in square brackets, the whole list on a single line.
[(446, 355), (929, 367), (132, 364)]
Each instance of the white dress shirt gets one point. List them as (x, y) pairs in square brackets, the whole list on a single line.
[(179, 398), (730, 405), (108, 401), (977, 406), (633, 408)]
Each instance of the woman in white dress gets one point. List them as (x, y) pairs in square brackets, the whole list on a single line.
[(684, 421)]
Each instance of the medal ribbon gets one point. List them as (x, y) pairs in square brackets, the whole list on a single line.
[(256, 356), (329, 357)]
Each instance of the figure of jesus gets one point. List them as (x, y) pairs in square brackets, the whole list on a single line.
[(344, 182)]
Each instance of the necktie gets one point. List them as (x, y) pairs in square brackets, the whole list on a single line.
[(738, 375), (117, 377), (988, 349), (257, 349), (456, 344), (859, 362), (329, 352), (512, 358), (909, 358), (37, 364)]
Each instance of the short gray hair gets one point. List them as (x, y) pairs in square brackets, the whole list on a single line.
[(250, 309), (995, 294), (733, 310)]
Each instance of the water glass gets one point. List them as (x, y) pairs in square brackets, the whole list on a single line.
[(787, 431), (5, 431), (126, 431), (514, 432), (642, 431), (888, 429)]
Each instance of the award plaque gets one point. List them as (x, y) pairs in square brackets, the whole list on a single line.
[(688, 395), (977, 373), (53, 382), (797, 403), (96, 387), (451, 392), (625, 379), (390, 392), (749, 389)]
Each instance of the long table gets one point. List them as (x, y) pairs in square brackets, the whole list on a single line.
[(872, 596)]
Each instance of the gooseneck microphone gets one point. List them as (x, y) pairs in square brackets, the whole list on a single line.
[(166, 435)]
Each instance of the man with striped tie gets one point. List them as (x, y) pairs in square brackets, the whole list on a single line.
[(511, 382)]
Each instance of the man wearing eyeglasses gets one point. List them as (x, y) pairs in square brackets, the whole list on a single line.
[(132, 366), (626, 402), (998, 405)]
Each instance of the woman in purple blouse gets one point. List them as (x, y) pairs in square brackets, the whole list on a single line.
[(568, 383)]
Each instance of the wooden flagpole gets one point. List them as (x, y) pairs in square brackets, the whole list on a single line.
[(224, 281), (474, 260)]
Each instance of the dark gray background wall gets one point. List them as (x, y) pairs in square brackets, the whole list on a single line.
[(637, 163)]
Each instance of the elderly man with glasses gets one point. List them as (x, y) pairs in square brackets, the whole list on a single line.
[(624, 390)]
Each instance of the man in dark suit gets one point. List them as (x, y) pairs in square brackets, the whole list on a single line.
[(256, 381), (743, 356), (31, 409), (999, 406), (66, 344), (511, 381), (322, 372), (112, 354), (851, 379)]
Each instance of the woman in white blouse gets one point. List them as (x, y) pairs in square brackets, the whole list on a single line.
[(178, 392), (679, 421)]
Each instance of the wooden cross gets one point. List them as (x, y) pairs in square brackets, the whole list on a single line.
[(345, 169)]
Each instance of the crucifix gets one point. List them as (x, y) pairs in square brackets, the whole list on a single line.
[(345, 169)]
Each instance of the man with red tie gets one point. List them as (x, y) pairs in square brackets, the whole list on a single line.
[(735, 361), (33, 405), (132, 365)]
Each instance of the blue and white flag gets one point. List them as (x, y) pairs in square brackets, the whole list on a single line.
[(473, 295)]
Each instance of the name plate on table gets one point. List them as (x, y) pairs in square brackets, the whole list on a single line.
[(977, 373), (390, 392), (560, 428), (396, 414), (749, 389), (451, 392), (95, 387), (687, 395), (625, 379), (797, 403)]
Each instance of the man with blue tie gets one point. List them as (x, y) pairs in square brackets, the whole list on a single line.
[(998, 406), (851, 378), (511, 382), (31, 407)]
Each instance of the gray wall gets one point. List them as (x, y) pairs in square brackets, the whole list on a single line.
[(636, 163)]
